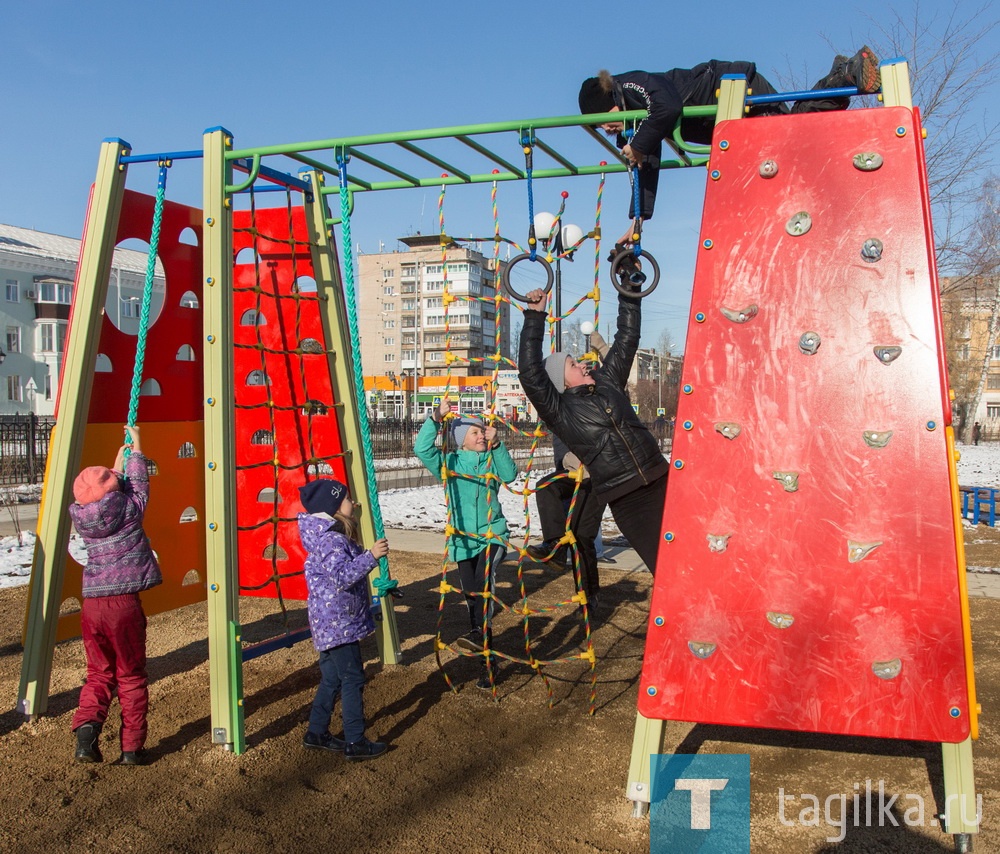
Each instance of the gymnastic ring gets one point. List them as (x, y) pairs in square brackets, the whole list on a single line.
[(505, 278), (616, 263)]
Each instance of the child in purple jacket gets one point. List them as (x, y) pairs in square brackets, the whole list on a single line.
[(339, 616), (110, 504)]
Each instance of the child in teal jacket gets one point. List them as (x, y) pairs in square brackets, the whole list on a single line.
[(474, 501)]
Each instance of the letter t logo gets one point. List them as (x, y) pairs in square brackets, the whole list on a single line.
[(701, 799)]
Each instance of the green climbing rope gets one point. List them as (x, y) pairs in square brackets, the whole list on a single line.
[(383, 584), (147, 298)]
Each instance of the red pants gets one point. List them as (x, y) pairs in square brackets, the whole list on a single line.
[(114, 640)]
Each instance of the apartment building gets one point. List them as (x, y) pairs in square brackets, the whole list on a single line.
[(37, 271), (402, 313)]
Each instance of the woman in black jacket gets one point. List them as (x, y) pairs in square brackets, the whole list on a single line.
[(591, 413), (664, 95)]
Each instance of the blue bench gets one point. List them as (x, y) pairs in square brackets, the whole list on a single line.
[(979, 503)]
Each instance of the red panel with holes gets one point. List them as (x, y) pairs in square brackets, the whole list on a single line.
[(809, 579), (282, 395)]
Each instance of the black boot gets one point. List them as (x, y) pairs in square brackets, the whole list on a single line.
[(484, 679), (862, 71), (86, 743)]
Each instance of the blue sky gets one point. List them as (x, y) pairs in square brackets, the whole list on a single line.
[(157, 75)]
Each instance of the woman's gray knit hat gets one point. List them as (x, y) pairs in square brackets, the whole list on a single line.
[(555, 367)]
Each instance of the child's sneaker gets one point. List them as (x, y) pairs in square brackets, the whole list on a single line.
[(364, 749), (324, 741), (86, 743), (862, 71), (472, 642)]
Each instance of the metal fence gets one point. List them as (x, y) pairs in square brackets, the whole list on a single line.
[(393, 438), (24, 443), (24, 448)]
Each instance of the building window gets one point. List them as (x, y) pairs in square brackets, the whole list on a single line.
[(434, 302), (435, 356), (13, 339), (13, 291), (389, 357), (996, 352), (993, 410), (388, 324), (14, 388), (390, 341), (388, 306), (389, 274), (409, 305), (963, 353), (52, 337), (48, 386), (46, 291), (389, 291), (993, 381), (65, 294), (129, 308)]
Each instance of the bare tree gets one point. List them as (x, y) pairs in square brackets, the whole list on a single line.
[(950, 65), (665, 343), (970, 308)]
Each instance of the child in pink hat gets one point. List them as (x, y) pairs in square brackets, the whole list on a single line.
[(108, 512)]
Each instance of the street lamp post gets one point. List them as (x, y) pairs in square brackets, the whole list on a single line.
[(566, 236)]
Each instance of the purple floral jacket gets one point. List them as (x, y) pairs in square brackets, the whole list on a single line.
[(336, 569), (119, 557)]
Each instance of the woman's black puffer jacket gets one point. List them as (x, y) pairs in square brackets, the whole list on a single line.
[(597, 421)]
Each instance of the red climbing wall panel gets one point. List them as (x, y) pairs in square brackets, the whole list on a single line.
[(809, 580), (170, 416), (279, 288)]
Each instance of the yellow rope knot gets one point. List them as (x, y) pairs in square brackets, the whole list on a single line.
[(569, 539), (580, 598), (590, 656), (450, 358), (578, 473), (449, 531), (440, 644), (444, 587), (447, 299)]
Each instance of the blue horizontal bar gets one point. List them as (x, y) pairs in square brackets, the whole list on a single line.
[(268, 188), (166, 155), (269, 174), (281, 642), (808, 95)]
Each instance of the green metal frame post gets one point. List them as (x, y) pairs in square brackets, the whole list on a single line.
[(333, 313), (224, 652), (66, 445)]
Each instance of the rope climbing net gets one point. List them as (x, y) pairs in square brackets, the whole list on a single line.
[(527, 604), (284, 395)]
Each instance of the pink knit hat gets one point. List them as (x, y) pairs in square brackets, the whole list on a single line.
[(93, 483)]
